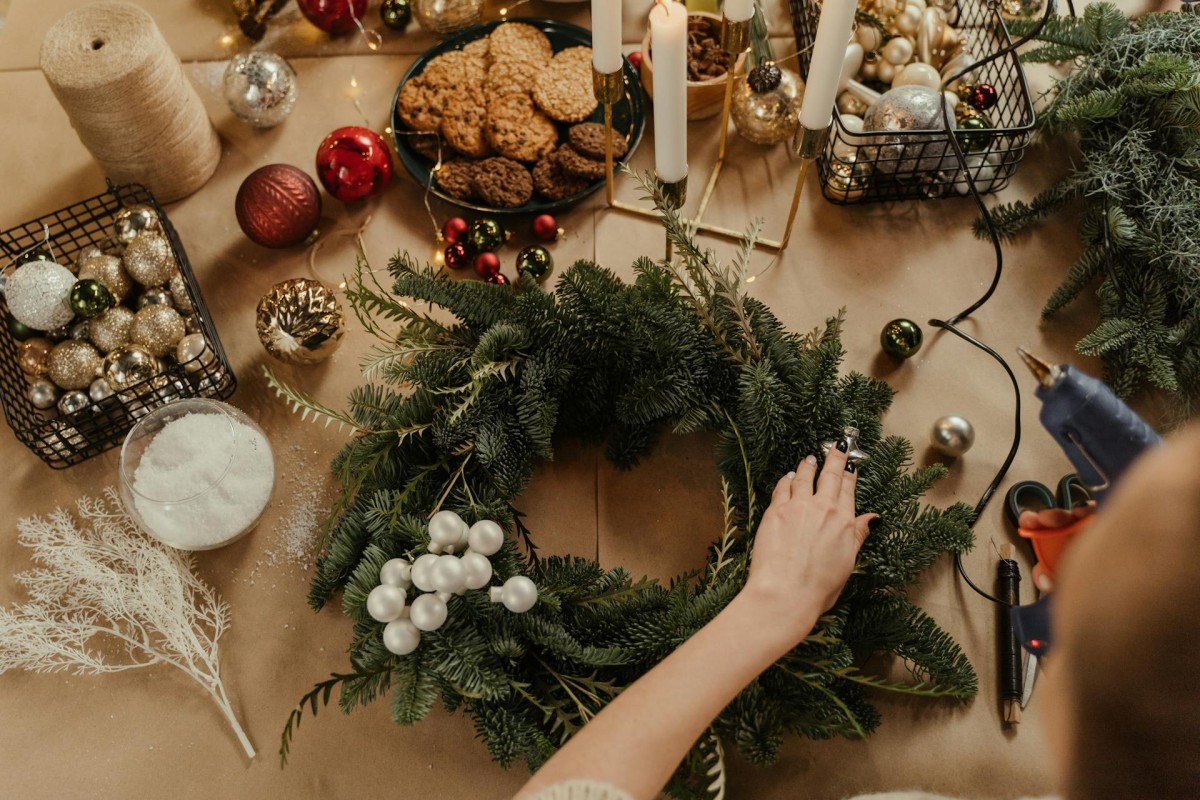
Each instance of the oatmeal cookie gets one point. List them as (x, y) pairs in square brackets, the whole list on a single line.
[(463, 122), (521, 42), (517, 130), (564, 89)]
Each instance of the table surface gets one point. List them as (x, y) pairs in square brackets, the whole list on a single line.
[(130, 734)]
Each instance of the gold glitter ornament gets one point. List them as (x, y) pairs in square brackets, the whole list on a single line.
[(179, 294), (127, 366), (109, 272), (73, 364), (149, 259), (110, 330), (300, 321), (32, 356), (768, 117), (157, 329), (91, 251), (132, 220)]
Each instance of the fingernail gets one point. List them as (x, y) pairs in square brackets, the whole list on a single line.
[(791, 475), (874, 523), (850, 466), (841, 446), (811, 460)]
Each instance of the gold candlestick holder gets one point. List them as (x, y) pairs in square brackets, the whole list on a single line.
[(808, 144)]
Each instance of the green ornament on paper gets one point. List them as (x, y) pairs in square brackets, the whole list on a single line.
[(901, 338), (486, 235), (90, 298), (396, 14), (973, 133), (535, 261)]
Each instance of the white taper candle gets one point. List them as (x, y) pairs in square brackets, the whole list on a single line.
[(738, 10), (606, 35), (668, 46), (829, 50)]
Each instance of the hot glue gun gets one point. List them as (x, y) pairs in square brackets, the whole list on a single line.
[(1102, 437)]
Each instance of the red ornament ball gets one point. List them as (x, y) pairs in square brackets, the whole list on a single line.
[(500, 279), (458, 256), (545, 227), (278, 206), (353, 163), (455, 230), (333, 16), (487, 265), (983, 97), (635, 58)]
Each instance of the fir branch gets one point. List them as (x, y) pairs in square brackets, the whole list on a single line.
[(297, 401)]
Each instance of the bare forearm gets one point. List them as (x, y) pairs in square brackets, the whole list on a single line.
[(639, 739)]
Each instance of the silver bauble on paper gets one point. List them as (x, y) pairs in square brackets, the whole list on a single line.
[(768, 117), (300, 321), (908, 108), (260, 88), (952, 435)]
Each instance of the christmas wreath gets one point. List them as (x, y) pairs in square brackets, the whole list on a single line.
[(682, 349)]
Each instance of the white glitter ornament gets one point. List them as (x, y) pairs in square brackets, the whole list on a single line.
[(518, 594), (485, 538), (38, 295), (401, 637), (260, 88), (385, 603), (479, 570), (396, 572), (421, 568), (448, 575), (428, 612)]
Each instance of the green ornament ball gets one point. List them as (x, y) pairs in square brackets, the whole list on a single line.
[(89, 298), (973, 132), (486, 235), (396, 14), (19, 330), (535, 261), (901, 338), (33, 255)]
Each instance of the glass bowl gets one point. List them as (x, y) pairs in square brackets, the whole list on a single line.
[(196, 474)]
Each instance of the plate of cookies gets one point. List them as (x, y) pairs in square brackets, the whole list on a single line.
[(501, 118)]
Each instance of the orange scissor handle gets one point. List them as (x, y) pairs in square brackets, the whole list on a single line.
[(1050, 544)]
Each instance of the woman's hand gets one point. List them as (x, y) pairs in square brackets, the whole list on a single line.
[(806, 545)]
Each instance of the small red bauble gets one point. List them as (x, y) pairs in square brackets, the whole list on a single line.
[(353, 163), (545, 227), (333, 16), (458, 256), (500, 279), (455, 230), (487, 265), (278, 205), (635, 58), (983, 96)]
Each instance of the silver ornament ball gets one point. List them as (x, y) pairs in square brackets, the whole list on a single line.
[(132, 220), (260, 88), (396, 572), (401, 637), (385, 603), (99, 390), (43, 394), (38, 295), (428, 612), (421, 577), (73, 402), (952, 435), (157, 296), (127, 366), (485, 538), (479, 570), (448, 575), (908, 108), (193, 353), (445, 529), (518, 594)]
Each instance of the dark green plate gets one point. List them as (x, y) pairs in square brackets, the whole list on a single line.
[(629, 114)]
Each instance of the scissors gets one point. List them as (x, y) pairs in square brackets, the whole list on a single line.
[(1048, 544)]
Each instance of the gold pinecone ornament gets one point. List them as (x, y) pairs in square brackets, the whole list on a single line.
[(300, 321)]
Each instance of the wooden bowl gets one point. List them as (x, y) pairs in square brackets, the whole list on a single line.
[(704, 98)]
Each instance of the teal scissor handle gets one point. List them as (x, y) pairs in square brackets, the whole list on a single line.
[(1073, 492), (1027, 496)]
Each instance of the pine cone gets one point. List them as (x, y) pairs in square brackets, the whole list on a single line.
[(764, 78)]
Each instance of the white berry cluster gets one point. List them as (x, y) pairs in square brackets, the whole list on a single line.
[(439, 574)]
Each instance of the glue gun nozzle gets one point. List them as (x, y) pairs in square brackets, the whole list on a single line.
[(1042, 370)]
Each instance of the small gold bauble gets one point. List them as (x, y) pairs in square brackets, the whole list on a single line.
[(109, 272), (132, 220), (149, 259), (300, 321), (157, 329), (110, 330), (193, 353), (127, 366), (32, 356), (73, 364), (768, 117), (848, 179)]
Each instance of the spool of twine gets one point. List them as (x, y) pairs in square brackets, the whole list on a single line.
[(128, 99)]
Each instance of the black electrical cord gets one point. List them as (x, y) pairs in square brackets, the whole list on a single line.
[(952, 323)]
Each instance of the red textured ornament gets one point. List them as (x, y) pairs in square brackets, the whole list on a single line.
[(487, 265), (500, 279), (333, 16), (455, 230), (353, 163), (278, 206), (635, 58), (983, 96), (458, 256), (545, 227)]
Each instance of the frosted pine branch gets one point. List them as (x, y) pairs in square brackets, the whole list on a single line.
[(109, 598)]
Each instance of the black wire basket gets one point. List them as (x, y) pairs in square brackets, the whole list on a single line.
[(922, 165), (63, 440)]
